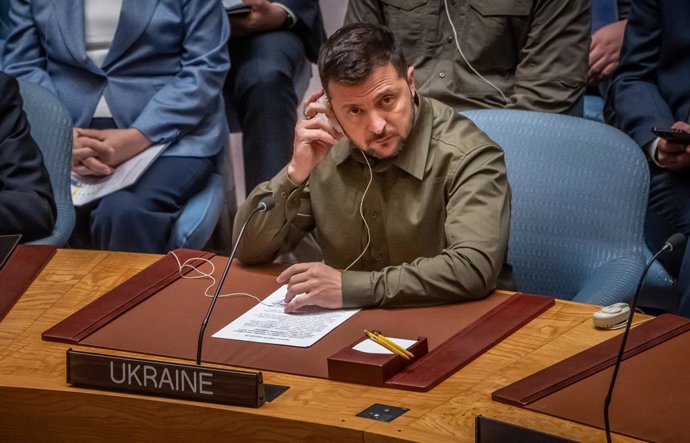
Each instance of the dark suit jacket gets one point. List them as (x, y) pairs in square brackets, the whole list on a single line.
[(652, 84), (26, 196), (309, 25)]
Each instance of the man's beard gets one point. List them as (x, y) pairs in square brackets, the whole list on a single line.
[(372, 152)]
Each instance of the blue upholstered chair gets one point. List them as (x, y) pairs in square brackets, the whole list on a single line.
[(200, 215), (593, 108), (579, 196), (51, 127)]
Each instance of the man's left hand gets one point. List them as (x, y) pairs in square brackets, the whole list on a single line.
[(263, 17), (312, 284)]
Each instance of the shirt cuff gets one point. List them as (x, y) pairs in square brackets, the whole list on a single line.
[(289, 12), (284, 190), (357, 289), (650, 149)]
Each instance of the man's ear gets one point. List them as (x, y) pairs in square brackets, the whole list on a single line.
[(410, 77)]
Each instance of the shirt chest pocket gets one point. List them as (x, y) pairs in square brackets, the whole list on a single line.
[(410, 20), (495, 32), (406, 5), (489, 8)]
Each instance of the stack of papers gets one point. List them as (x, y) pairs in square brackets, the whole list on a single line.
[(267, 323), (86, 189)]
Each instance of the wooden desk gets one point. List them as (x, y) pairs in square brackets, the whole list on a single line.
[(37, 404)]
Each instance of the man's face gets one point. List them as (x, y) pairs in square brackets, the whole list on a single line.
[(376, 115)]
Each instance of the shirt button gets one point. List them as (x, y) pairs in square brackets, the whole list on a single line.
[(442, 74), (374, 215), (283, 194), (452, 2), (377, 258), (450, 39)]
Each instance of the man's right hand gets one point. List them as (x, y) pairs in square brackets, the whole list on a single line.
[(673, 155), (315, 135)]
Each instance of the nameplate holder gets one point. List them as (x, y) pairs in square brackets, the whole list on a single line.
[(166, 379)]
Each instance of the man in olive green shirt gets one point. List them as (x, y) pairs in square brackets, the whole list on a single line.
[(413, 205), (532, 54)]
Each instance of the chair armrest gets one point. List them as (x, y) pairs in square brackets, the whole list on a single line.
[(612, 282), (63, 225)]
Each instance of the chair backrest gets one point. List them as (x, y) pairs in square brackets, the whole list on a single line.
[(51, 127), (199, 217), (579, 196)]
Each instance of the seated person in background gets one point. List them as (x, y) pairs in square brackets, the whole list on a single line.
[(501, 54), (151, 73), (652, 88), (26, 196), (410, 208), (267, 49)]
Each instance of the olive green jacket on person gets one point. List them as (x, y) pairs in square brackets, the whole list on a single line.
[(534, 51), (438, 213)]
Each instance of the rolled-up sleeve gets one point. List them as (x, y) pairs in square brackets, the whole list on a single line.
[(278, 230)]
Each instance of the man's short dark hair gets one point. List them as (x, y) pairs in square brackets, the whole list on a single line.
[(352, 53)]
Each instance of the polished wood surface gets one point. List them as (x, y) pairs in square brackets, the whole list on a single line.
[(36, 404)]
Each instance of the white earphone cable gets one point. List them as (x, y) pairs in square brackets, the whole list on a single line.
[(210, 276), (457, 45), (361, 213)]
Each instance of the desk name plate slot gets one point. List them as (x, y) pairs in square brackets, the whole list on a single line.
[(159, 378)]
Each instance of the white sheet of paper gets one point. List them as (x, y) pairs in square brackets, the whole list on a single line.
[(267, 323), (87, 189), (370, 347)]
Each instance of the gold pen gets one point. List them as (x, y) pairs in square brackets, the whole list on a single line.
[(393, 344), (386, 345)]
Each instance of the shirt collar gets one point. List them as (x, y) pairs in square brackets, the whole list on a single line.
[(413, 156)]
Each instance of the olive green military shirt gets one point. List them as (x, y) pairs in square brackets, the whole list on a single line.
[(438, 214), (535, 51)]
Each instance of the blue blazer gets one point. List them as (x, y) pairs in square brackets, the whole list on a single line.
[(652, 84), (163, 75)]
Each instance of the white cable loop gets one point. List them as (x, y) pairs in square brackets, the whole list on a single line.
[(210, 276)]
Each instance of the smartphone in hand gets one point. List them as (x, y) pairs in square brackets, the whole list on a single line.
[(672, 135)]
